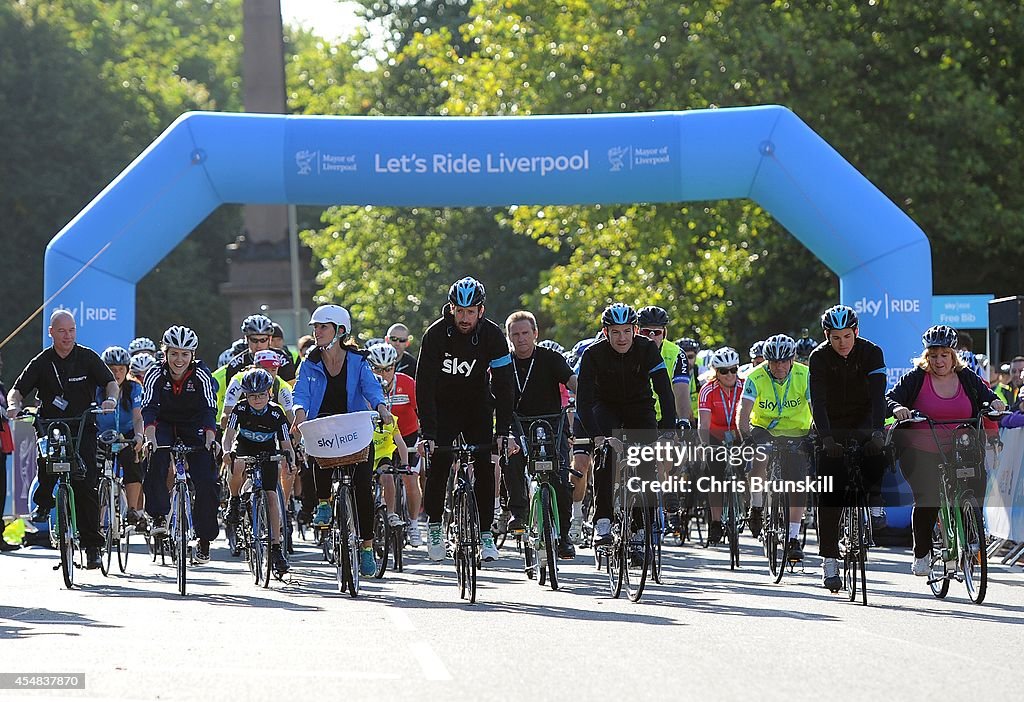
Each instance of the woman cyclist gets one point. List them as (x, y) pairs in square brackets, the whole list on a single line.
[(128, 421)]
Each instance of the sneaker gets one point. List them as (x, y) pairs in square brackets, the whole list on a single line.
[(395, 521), (415, 538), (367, 563), (93, 559), (500, 525), (4, 546), (202, 554), (435, 542), (277, 559), (233, 509), (878, 523), (566, 551), (516, 525), (754, 521), (922, 566), (159, 527), (636, 549), (132, 518), (796, 552), (830, 577), (488, 552), (323, 514), (576, 530), (603, 532), (715, 533)]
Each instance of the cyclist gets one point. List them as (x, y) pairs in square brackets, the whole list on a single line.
[(756, 359), (258, 331), (582, 458), (539, 375), (689, 348), (398, 337), (939, 387), (400, 396), (653, 323), (281, 392), (716, 424), (335, 378), (178, 402), (804, 347), (142, 344), (847, 384), (454, 396), (777, 403), (258, 425), (140, 364), (613, 392), (128, 421), (65, 377)]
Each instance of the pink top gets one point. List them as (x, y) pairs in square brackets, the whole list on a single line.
[(931, 405)]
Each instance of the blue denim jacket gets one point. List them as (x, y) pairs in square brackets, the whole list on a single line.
[(364, 391)]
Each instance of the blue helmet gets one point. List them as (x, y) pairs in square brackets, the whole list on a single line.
[(804, 346), (468, 292), (940, 336), (256, 381), (839, 317), (618, 313)]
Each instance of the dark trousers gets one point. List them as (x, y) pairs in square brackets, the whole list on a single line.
[(201, 471), (516, 481), (830, 504), (476, 430), (87, 499), (641, 425), (362, 492)]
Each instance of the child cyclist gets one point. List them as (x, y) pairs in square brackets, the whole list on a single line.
[(400, 396), (257, 425)]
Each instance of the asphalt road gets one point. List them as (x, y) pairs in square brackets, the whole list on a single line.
[(707, 633)]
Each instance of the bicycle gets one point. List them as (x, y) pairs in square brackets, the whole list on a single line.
[(54, 445), (775, 532), (113, 500), (855, 526), (733, 512), (386, 538), (959, 553), (180, 537), (542, 448), (256, 534)]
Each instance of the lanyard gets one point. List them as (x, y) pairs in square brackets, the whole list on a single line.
[(730, 410), (779, 403), (57, 376), (522, 386)]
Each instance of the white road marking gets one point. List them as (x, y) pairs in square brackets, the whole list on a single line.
[(431, 664), (401, 620)]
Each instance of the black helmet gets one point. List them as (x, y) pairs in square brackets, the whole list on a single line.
[(256, 381), (688, 344), (652, 316), (839, 317), (804, 346), (940, 336), (618, 313), (468, 292)]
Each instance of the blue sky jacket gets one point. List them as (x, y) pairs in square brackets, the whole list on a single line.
[(363, 388)]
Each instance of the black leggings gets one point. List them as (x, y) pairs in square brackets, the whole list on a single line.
[(362, 492), (830, 504), (476, 430), (921, 469)]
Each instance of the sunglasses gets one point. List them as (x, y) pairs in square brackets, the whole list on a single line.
[(257, 395), (384, 369), (729, 371), (653, 332), (398, 339), (259, 339)]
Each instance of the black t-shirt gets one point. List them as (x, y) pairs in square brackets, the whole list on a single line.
[(245, 359), (537, 381), (336, 396), (407, 365), (75, 378), (259, 428)]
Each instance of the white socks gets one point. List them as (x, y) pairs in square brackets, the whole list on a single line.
[(577, 510)]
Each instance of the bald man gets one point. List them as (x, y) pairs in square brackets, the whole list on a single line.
[(398, 336), (66, 378)]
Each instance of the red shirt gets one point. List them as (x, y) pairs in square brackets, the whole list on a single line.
[(724, 405), (403, 404)]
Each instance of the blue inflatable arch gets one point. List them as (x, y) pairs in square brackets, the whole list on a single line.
[(767, 154)]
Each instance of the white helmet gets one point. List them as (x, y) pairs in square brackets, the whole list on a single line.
[(779, 348), (332, 314), (179, 337), (141, 344), (382, 355), (141, 364), (225, 357), (257, 324), (725, 357)]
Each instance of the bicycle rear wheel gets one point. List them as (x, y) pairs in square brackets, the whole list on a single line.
[(550, 535), (108, 523), (636, 519), (124, 530), (973, 556), (181, 536), (65, 535), (381, 539)]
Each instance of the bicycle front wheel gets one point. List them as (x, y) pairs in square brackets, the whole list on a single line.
[(468, 543), (261, 540), (636, 532), (108, 523), (65, 535), (973, 556), (550, 534), (381, 539), (731, 521), (353, 543), (181, 536), (849, 543), (124, 531), (777, 536)]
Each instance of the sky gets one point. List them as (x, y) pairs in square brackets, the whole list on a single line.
[(332, 19)]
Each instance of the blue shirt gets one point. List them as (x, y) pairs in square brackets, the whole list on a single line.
[(121, 419)]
